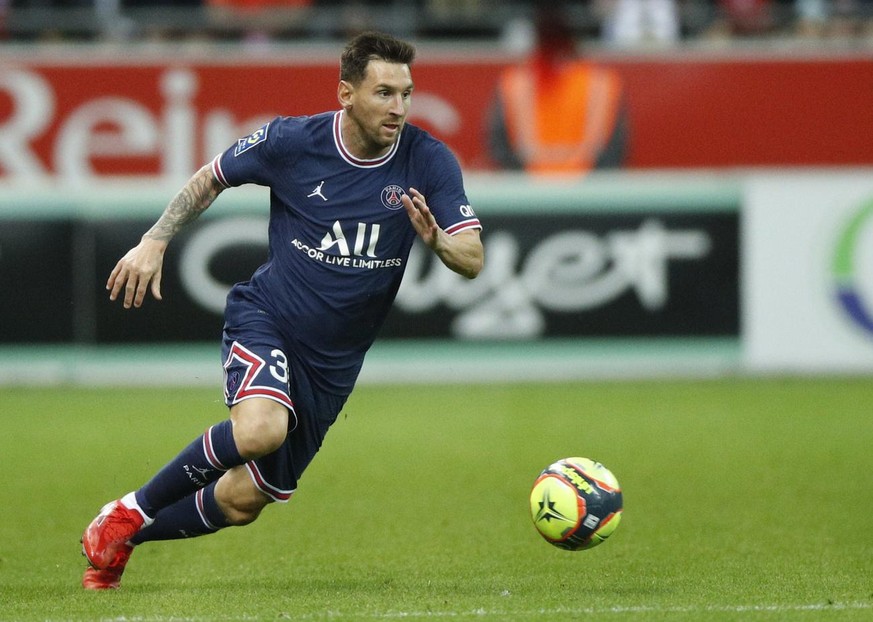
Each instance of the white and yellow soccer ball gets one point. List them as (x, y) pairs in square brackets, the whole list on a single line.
[(576, 503)]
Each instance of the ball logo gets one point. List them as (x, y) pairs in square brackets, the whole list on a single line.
[(391, 196), (849, 294), (577, 480)]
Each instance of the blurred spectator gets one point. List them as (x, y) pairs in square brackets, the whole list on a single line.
[(455, 9), (556, 112), (618, 23), (811, 18), (152, 4), (59, 20), (742, 18), (259, 20), (849, 19), (635, 22), (4, 11), (352, 17), (469, 18)]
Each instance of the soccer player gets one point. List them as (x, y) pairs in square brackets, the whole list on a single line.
[(350, 192)]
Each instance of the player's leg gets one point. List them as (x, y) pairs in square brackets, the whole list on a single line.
[(256, 390), (232, 500), (195, 467), (257, 426), (260, 427), (238, 498)]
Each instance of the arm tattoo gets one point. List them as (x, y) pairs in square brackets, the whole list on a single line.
[(191, 201)]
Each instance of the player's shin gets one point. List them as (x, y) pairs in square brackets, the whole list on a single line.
[(198, 465), (195, 515)]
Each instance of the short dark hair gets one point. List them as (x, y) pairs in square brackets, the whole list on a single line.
[(369, 46)]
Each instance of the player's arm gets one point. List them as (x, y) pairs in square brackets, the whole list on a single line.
[(141, 267), (462, 253)]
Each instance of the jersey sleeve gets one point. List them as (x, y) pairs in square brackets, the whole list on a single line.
[(445, 194), (250, 160)]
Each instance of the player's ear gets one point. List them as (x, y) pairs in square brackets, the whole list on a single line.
[(344, 94)]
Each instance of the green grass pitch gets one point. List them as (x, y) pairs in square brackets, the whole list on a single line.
[(745, 499)]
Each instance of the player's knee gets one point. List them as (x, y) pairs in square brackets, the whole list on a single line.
[(238, 516), (239, 500), (259, 427)]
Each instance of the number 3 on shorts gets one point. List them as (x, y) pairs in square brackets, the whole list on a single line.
[(279, 371)]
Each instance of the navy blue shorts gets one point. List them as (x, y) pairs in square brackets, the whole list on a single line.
[(259, 363)]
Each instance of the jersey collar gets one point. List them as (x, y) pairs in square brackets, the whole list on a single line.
[(346, 154)]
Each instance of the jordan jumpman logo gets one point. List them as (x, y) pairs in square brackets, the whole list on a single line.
[(317, 192)]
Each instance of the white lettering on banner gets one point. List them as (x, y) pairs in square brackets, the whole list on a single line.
[(133, 133), (176, 136), (180, 121), (112, 127), (568, 271), (33, 106)]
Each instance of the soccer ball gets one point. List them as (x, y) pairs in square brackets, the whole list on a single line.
[(576, 503)]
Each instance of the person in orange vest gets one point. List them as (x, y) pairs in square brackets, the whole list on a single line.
[(556, 112)]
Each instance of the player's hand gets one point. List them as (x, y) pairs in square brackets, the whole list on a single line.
[(421, 217), (136, 271), (461, 252)]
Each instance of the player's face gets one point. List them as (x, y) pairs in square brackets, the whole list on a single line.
[(376, 108)]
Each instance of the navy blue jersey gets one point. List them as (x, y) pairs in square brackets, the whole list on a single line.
[(339, 236)]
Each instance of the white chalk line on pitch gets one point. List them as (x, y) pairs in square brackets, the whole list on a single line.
[(526, 613), (592, 611)]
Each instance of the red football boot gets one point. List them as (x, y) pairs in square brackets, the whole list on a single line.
[(110, 577), (108, 534)]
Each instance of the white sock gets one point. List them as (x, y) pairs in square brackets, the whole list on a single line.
[(129, 501)]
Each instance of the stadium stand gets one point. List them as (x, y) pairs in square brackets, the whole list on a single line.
[(673, 21)]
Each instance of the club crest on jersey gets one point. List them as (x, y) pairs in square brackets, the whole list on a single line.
[(391, 196), (258, 136)]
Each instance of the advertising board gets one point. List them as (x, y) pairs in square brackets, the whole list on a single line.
[(37, 281), (81, 117), (592, 260), (808, 272)]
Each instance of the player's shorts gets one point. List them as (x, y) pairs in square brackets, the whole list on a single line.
[(259, 363)]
